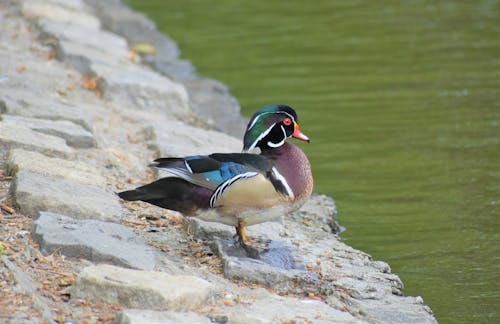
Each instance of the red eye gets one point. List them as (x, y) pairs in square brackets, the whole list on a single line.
[(287, 121)]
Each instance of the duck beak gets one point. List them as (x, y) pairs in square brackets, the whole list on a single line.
[(298, 135)]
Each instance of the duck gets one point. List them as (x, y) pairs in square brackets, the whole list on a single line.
[(238, 189)]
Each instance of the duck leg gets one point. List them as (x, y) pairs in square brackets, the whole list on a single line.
[(250, 248), (240, 231), (245, 243)]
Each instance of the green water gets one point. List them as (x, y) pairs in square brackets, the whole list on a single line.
[(402, 102)]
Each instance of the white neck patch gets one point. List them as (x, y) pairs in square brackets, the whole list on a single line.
[(282, 179)]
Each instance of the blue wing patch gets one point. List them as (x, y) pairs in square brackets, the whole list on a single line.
[(228, 170)]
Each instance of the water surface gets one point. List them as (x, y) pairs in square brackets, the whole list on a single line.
[(401, 101)]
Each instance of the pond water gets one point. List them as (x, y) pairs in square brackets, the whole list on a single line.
[(402, 102)]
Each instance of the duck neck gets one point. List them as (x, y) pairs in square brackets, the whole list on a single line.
[(293, 164)]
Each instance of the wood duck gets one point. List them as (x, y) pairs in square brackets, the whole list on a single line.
[(238, 189)]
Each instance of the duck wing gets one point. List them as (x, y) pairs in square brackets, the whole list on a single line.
[(232, 181)]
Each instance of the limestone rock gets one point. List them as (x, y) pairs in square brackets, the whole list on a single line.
[(71, 13), (28, 103), (211, 100), (192, 140), (276, 309), (34, 193), (141, 316), (87, 37), (13, 136), (277, 267), (81, 57), (135, 27), (22, 160), (141, 88), (74, 135), (93, 240), (319, 211), (207, 230), (141, 289)]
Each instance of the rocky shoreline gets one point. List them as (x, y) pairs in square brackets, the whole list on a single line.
[(84, 108)]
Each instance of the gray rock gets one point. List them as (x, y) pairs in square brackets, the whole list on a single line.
[(135, 27), (319, 211), (22, 160), (207, 230), (93, 240), (351, 276), (78, 5), (14, 136), (81, 57), (276, 309), (141, 316), (53, 10), (395, 309), (34, 193), (87, 37), (141, 289), (141, 88), (277, 266), (74, 135), (28, 103), (190, 140), (211, 100), (178, 70)]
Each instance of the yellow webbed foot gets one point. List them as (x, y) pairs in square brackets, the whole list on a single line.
[(251, 247)]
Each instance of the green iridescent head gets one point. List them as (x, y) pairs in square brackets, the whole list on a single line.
[(270, 127)]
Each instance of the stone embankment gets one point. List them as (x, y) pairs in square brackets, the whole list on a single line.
[(82, 114)]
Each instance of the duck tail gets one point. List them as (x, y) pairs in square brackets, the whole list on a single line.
[(170, 193)]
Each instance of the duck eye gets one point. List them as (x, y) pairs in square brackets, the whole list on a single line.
[(287, 121)]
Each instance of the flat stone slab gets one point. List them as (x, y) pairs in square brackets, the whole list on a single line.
[(141, 88), (278, 266), (34, 193), (72, 12), (74, 135), (93, 240), (88, 37), (141, 289), (22, 160), (32, 105), (211, 100), (15, 136), (81, 56), (141, 316), (277, 309), (134, 26), (190, 140)]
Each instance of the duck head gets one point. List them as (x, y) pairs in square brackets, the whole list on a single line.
[(270, 127)]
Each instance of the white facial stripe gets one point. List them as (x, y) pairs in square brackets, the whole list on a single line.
[(261, 136), (271, 144), (282, 179), (265, 113)]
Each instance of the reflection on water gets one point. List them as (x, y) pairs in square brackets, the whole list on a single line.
[(401, 100)]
